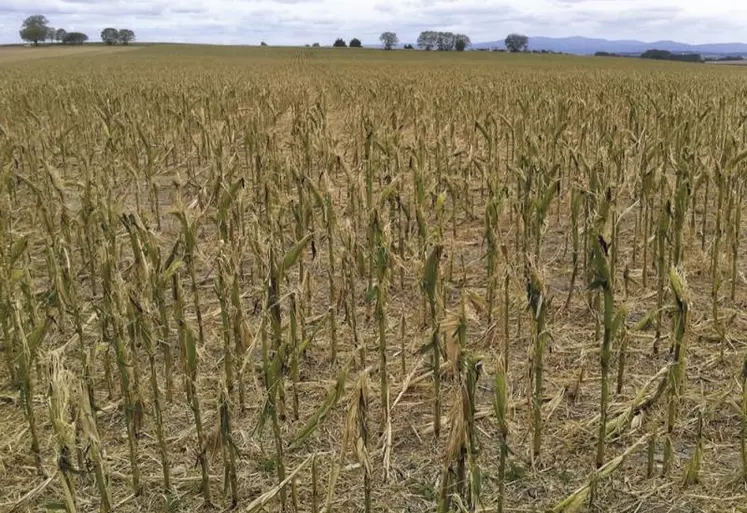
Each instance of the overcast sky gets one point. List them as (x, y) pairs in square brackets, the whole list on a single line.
[(306, 21)]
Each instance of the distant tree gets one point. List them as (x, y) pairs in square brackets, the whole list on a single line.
[(665, 55), (517, 43), (389, 40), (59, 35), (315, 45), (462, 42), (355, 43), (34, 29), (110, 36), (262, 44), (340, 43), (408, 47), (126, 36), (656, 54), (75, 38), (443, 41), (50, 35), (427, 40)]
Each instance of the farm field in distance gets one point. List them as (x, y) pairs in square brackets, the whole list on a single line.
[(23, 54), (294, 279)]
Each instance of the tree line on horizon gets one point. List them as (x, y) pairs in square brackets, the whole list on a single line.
[(666, 55), (36, 28), (448, 41), (430, 40)]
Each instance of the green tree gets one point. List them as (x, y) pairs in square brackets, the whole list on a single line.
[(427, 40), (340, 43), (517, 43), (355, 43), (665, 55), (126, 36), (462, 42), (34, 29), (389, 40), (75, 38), (60, 34), (110, 35), (443, 41)]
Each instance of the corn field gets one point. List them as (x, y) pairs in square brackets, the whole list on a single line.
[(309, 280)]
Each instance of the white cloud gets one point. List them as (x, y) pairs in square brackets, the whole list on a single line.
[(306, 21)]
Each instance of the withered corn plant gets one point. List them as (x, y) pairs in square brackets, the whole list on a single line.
[(295, 348), (462, 477), (539, 305), (188, 352), (161, 280), (662, 234), (602, 280), (743, 433), (189, 238), (500, 406), (6, 316), (230, 480), (87, 349), (271, 366), (241, 336), (576, 198), (330, 219), (221, 290), (350, 260), (735, 232), (378, 292), (28, 351), (692, 469), (355, 436), (357, 430), (114, 314), (429, 285), (493, 210), (61, 390), (273, 358), (677, 371), (140, 315), (90, 436)]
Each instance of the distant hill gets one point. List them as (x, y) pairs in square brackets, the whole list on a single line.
[(587, 46)]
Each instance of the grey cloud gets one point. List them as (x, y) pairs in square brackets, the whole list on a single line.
[(52, 8), (187, 10), (639, 15)]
